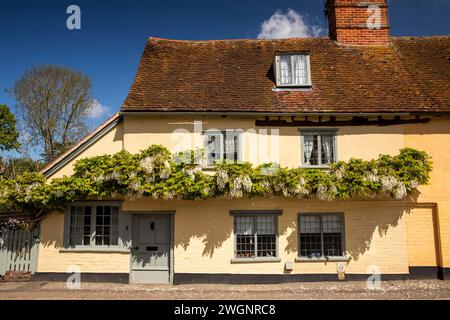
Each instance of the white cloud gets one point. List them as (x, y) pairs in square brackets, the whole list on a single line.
[(289, 25), (98, 110)]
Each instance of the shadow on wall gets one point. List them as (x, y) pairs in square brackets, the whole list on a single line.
[(361, 225), (366, 231), (52, 230), (211, 232), (359, 240), (364, 227)]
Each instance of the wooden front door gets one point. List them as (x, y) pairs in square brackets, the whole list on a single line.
[(151, 245)]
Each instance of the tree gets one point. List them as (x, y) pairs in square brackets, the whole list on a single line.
[(12, 168), (8, 130), (54, 103)]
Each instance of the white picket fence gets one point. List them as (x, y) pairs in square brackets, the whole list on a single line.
[(18, 250)]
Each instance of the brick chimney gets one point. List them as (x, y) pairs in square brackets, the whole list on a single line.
[(356, 22)]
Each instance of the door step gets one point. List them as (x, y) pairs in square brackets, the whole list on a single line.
[(15, 276)]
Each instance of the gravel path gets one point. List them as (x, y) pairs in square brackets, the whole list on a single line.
[(429, 289)]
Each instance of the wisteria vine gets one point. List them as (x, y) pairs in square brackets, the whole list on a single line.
[(158, 174)]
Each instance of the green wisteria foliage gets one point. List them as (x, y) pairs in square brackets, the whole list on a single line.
[(158, 174)]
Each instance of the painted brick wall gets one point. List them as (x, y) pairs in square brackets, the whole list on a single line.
[(375, 235), (421, 237), (51, 259), (443, 211)]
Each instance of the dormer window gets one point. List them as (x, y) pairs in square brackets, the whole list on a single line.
[(293, 70)]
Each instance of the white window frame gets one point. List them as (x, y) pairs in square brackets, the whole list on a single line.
[(233, 132), (277, 68), (319, 133)]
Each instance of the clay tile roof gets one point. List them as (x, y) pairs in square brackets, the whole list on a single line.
[(412, 75)]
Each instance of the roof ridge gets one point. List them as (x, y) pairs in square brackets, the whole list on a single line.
[(156, 39), (421, 37)]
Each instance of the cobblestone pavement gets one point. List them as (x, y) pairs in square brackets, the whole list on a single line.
[(417, 289)]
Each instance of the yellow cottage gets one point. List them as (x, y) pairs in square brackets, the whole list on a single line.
[(303, 103)]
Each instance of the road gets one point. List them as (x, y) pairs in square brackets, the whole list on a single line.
[(417, 289)]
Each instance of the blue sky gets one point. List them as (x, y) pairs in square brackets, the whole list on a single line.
[(113, 34)]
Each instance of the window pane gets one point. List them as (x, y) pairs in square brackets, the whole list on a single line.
[(245, 246), (285, 70), (310, 245), (319, 148), (266, 235), (327, 149), (214, 147), (309, 224), (265, 225), (267, 246), (231, 147), (332, 235), (98, 240), (106, 229), (80, 225), (310, 150), (244, 225), (300, 69), (99, 219), (245, 237)]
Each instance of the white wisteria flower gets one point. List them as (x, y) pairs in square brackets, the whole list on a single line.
[(247, 183), (388, 184), (265, 184), (236, 188), (191, 172), (400, 191), (222, 179), (339, 173), (165, 171), (99, 179), (372, 177), (414, 184), (206, 190), (135, 185), (29, 189), (116, 176), (279, 186), (147, 165), (326, 194)]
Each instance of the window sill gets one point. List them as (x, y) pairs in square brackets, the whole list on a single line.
[(293, 89), (255, 260), (316, 167), (323, 259), (95, 250)]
